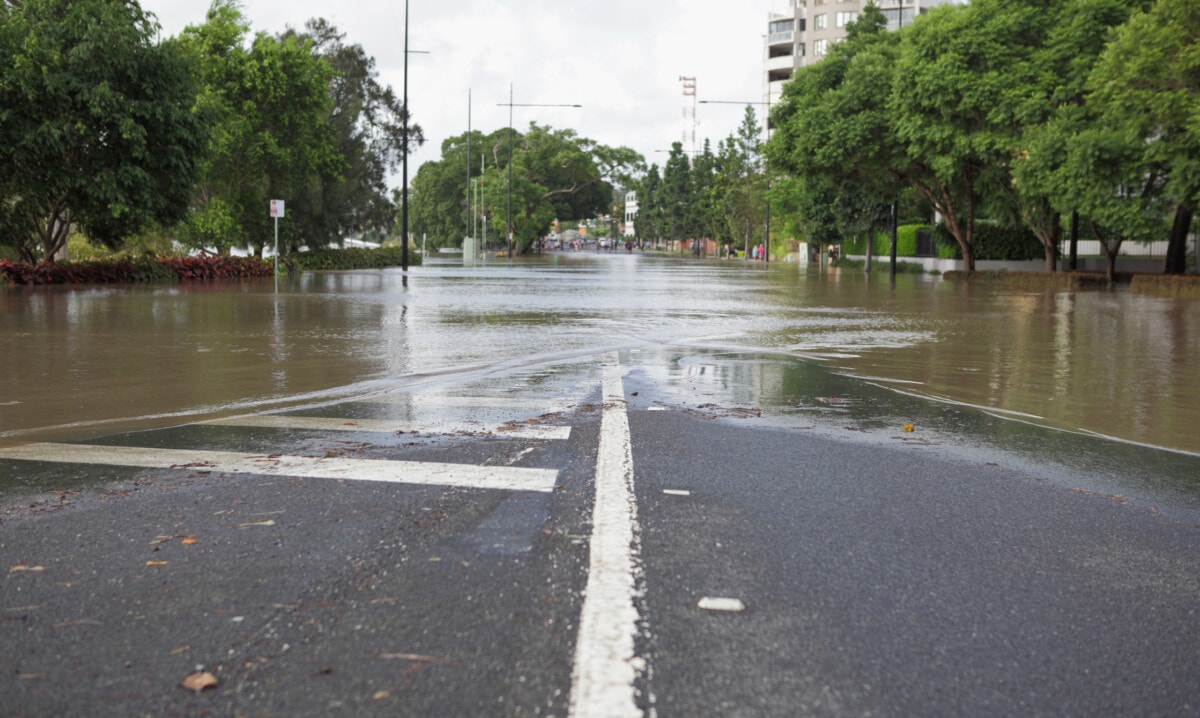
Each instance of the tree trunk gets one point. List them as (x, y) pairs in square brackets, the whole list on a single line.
[(1073, 264), (1051, 244), (1176, 261), (53, 234)]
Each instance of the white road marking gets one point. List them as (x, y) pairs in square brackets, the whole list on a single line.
[(472, 402), (602, 683), (402, 472), (732, 605), (677, 492), (517, 430)]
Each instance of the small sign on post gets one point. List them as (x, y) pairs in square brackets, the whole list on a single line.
[(277, 212)]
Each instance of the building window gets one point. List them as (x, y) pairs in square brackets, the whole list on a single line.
[(799, 49), (802, 24), (845, 18), (820, 22), (781, 26), (819, 47)]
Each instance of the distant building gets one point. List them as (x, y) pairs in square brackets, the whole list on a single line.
[(631, 210), (803, 34)]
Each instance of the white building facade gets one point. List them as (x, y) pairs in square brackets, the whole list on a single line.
[(804, 34), (631, 210)]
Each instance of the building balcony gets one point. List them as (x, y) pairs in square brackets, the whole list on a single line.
[(783, 62), (781, 38)]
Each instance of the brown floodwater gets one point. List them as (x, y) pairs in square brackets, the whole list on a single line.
[(86, 361)]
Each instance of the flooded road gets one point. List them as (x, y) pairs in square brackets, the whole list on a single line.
[(89, 361), (608, 481)]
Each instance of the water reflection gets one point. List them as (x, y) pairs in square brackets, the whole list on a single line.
[(88, 360)]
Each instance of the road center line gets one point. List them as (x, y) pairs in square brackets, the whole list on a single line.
[(401, 472), (606, 667)]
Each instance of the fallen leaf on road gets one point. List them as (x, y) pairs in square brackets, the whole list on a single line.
[(908, 428), (199, 681), (380, 695), (156, 563), (268, 522), (35, 569), (189, 541)]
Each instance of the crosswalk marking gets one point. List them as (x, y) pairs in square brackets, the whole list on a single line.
[(519, 430), (403, 472), (472, 402)]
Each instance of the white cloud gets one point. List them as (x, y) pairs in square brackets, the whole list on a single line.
[(620, 59)]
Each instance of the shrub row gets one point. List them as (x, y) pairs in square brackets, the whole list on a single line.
[(351, 258), (906, 242), (162, 269), (1008, 244)]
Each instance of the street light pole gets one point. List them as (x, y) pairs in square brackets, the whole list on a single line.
[(510, 144), (510, 106), (404, 173), (404, 159)]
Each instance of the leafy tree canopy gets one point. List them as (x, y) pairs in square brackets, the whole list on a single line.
[(97, 126)]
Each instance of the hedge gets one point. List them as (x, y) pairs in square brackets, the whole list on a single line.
[(148, 269), (1009, 244), (351, 258), (187, 269), (906, 242)]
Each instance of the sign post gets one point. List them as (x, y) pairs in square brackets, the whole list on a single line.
[(277, 212)]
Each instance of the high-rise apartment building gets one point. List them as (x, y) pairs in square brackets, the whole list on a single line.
[(805, 32)]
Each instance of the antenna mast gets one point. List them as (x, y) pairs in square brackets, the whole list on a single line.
[(689, 114)]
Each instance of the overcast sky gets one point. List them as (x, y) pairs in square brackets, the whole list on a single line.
[(620, 59)]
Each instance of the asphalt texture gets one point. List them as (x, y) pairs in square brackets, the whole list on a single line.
[(879, 577)]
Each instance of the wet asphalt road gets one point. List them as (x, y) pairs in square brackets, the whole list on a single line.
[(879, 577)]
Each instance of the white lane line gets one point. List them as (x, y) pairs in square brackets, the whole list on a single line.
[(519, 430), (602, 683), (401, 472)]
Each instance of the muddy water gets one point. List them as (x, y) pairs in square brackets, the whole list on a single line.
[(81, 362)]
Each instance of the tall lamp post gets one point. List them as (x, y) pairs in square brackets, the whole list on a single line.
[(767, 125), (404, 162), (510, 105)]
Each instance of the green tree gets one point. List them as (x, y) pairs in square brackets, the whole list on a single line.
[(649, 218), (271, 139), (1148, 83), (1043, 105), (439, 201), (704, 204), (740, 186), (835, 136), (675, 194), (367, 122), (96, 124), (551, 170)]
